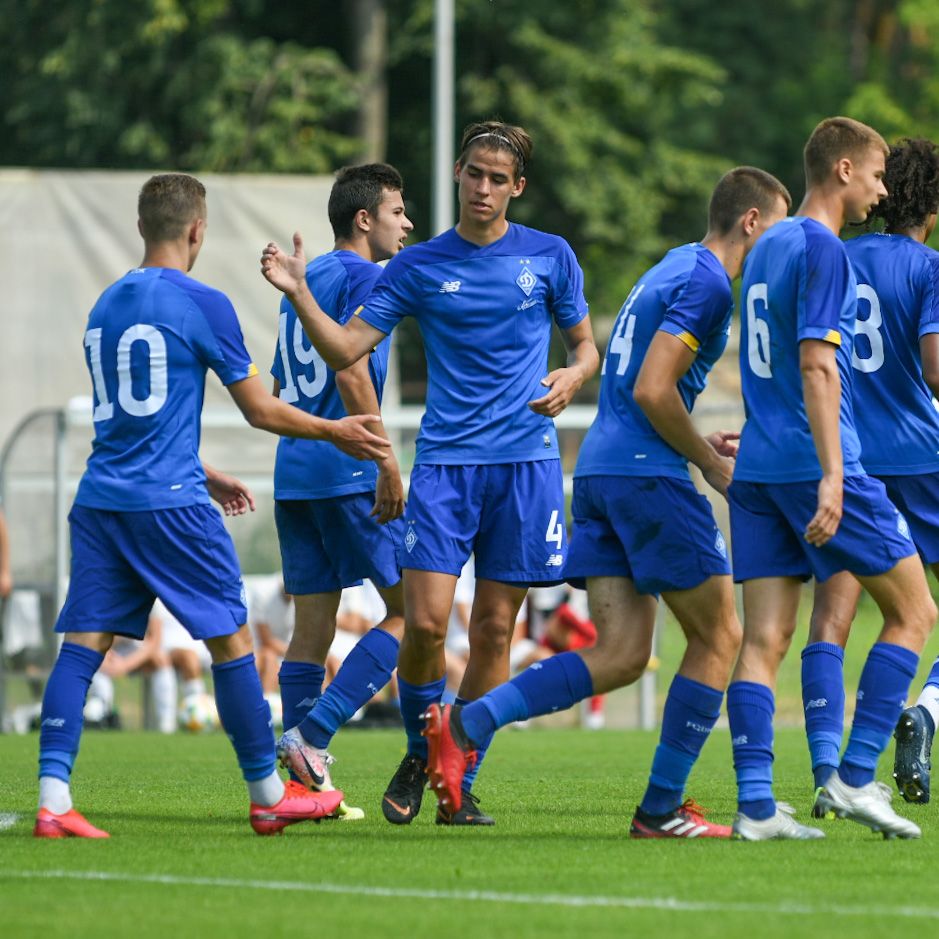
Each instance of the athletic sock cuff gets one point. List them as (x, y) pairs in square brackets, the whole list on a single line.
[(233, 664), (751, 694), (831, 648), (905, 660), (693, 694)]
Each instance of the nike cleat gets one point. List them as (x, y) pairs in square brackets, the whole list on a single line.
[(818, 811), (311, 767), (449, 755), (402, 799), (911, 764), (299, 804), (687, 821), (70, 824), (779, 827), (867, 805), (469, 812)]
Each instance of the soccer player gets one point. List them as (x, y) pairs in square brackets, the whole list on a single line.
[(801, 503), (338, 520), (640, 526), (896, 375), (487, 475), (142, 527)]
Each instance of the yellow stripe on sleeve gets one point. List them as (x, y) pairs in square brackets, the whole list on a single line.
[(833, 336), (252, 370), (359, 310), (689, 340)]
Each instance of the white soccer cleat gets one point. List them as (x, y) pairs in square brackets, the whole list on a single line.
[(779, 827), (868, 805)]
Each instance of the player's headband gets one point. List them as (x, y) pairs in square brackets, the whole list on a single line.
[(504, 139)]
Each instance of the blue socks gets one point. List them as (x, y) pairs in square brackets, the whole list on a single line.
[(469, 777), (881, 696), (552, 685), (750, 708), (691, 709), (301, 684), (365, 671), (62, 706), (245, 716), (415, 700), (823, 704)]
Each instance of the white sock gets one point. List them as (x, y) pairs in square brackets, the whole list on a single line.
[(267, 791), (929, 699), (193, 686), (163, 688), (54, 795)]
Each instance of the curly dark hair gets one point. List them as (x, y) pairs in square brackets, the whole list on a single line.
[(912, 181)]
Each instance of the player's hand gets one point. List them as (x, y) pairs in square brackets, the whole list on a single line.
[(724, 442), (389, 493), (827, 516), (352, 436), (287, 272), (563, 384), (720, 474), (231, 494)]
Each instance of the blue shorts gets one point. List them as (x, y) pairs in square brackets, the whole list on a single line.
[(123, 561), (767, 521), (917, 497), (658, 532), (511, 515), (328, 544)]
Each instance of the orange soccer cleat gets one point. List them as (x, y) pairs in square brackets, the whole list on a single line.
[(449, 755), (297, 805), (70, 824)]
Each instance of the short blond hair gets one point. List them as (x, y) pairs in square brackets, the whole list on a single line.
[(838, 138), (167, 204)]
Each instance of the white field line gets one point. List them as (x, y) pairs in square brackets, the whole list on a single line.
[(672, 904), (8, 820)]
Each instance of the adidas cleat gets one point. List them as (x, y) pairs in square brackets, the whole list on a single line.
[(469, 812), (311, 767), (687, 821), (779, 827), (402, 799), (299, 804), (867, 805), (449, 755), (70, 824), (912, 762)]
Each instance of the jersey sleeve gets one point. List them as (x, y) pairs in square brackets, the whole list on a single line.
[(362, 280), (569, 305), (826, 278), (218, 337), (700, 309), (390, 300), (929, 311)]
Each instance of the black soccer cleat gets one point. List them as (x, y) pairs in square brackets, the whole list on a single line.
[(911, 764), (469, 813), (402, 799)]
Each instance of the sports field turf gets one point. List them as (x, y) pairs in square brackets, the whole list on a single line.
[(182, 860)]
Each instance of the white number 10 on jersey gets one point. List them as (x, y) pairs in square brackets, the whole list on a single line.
[(156, 359)]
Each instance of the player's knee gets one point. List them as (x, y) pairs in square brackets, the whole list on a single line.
[(490, 636), (829, 626), (624, 665), (425, 632)]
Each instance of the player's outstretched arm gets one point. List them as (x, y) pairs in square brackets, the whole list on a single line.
[(231, 494), (821, 388), (339, 346), (264, 411), (563, 383), (656, 392), (359, 397)]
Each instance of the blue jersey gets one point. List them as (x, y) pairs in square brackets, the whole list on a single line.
[(797, 284), (314, 469), (898, 304), (688, 295), (150, 339), (485, 314)]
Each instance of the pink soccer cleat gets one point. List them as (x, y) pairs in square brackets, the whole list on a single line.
[(449, 755), (297, 805), (70, 824)]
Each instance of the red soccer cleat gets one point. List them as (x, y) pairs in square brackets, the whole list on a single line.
[(687, 821), (449, 755), (70, 824), (297, 805)]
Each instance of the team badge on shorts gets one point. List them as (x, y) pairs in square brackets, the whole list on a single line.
[(720, 545), (903, 527), (410, 539)]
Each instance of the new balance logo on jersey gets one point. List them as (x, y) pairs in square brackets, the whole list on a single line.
[(526, 280), (817, 703), (450, 286), (554, 560), (410, 539)]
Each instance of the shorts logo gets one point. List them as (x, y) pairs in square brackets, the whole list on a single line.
[(817, 703), (903, 527), (449, 286), (527, 281), (243, 595), (554, 560), (720, 545), (54, 722), (740, 741), (410, 539), (546, 440)]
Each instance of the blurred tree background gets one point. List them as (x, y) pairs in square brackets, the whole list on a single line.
[(636, 106)]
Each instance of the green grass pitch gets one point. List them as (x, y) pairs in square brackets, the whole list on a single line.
[(182, 860)]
